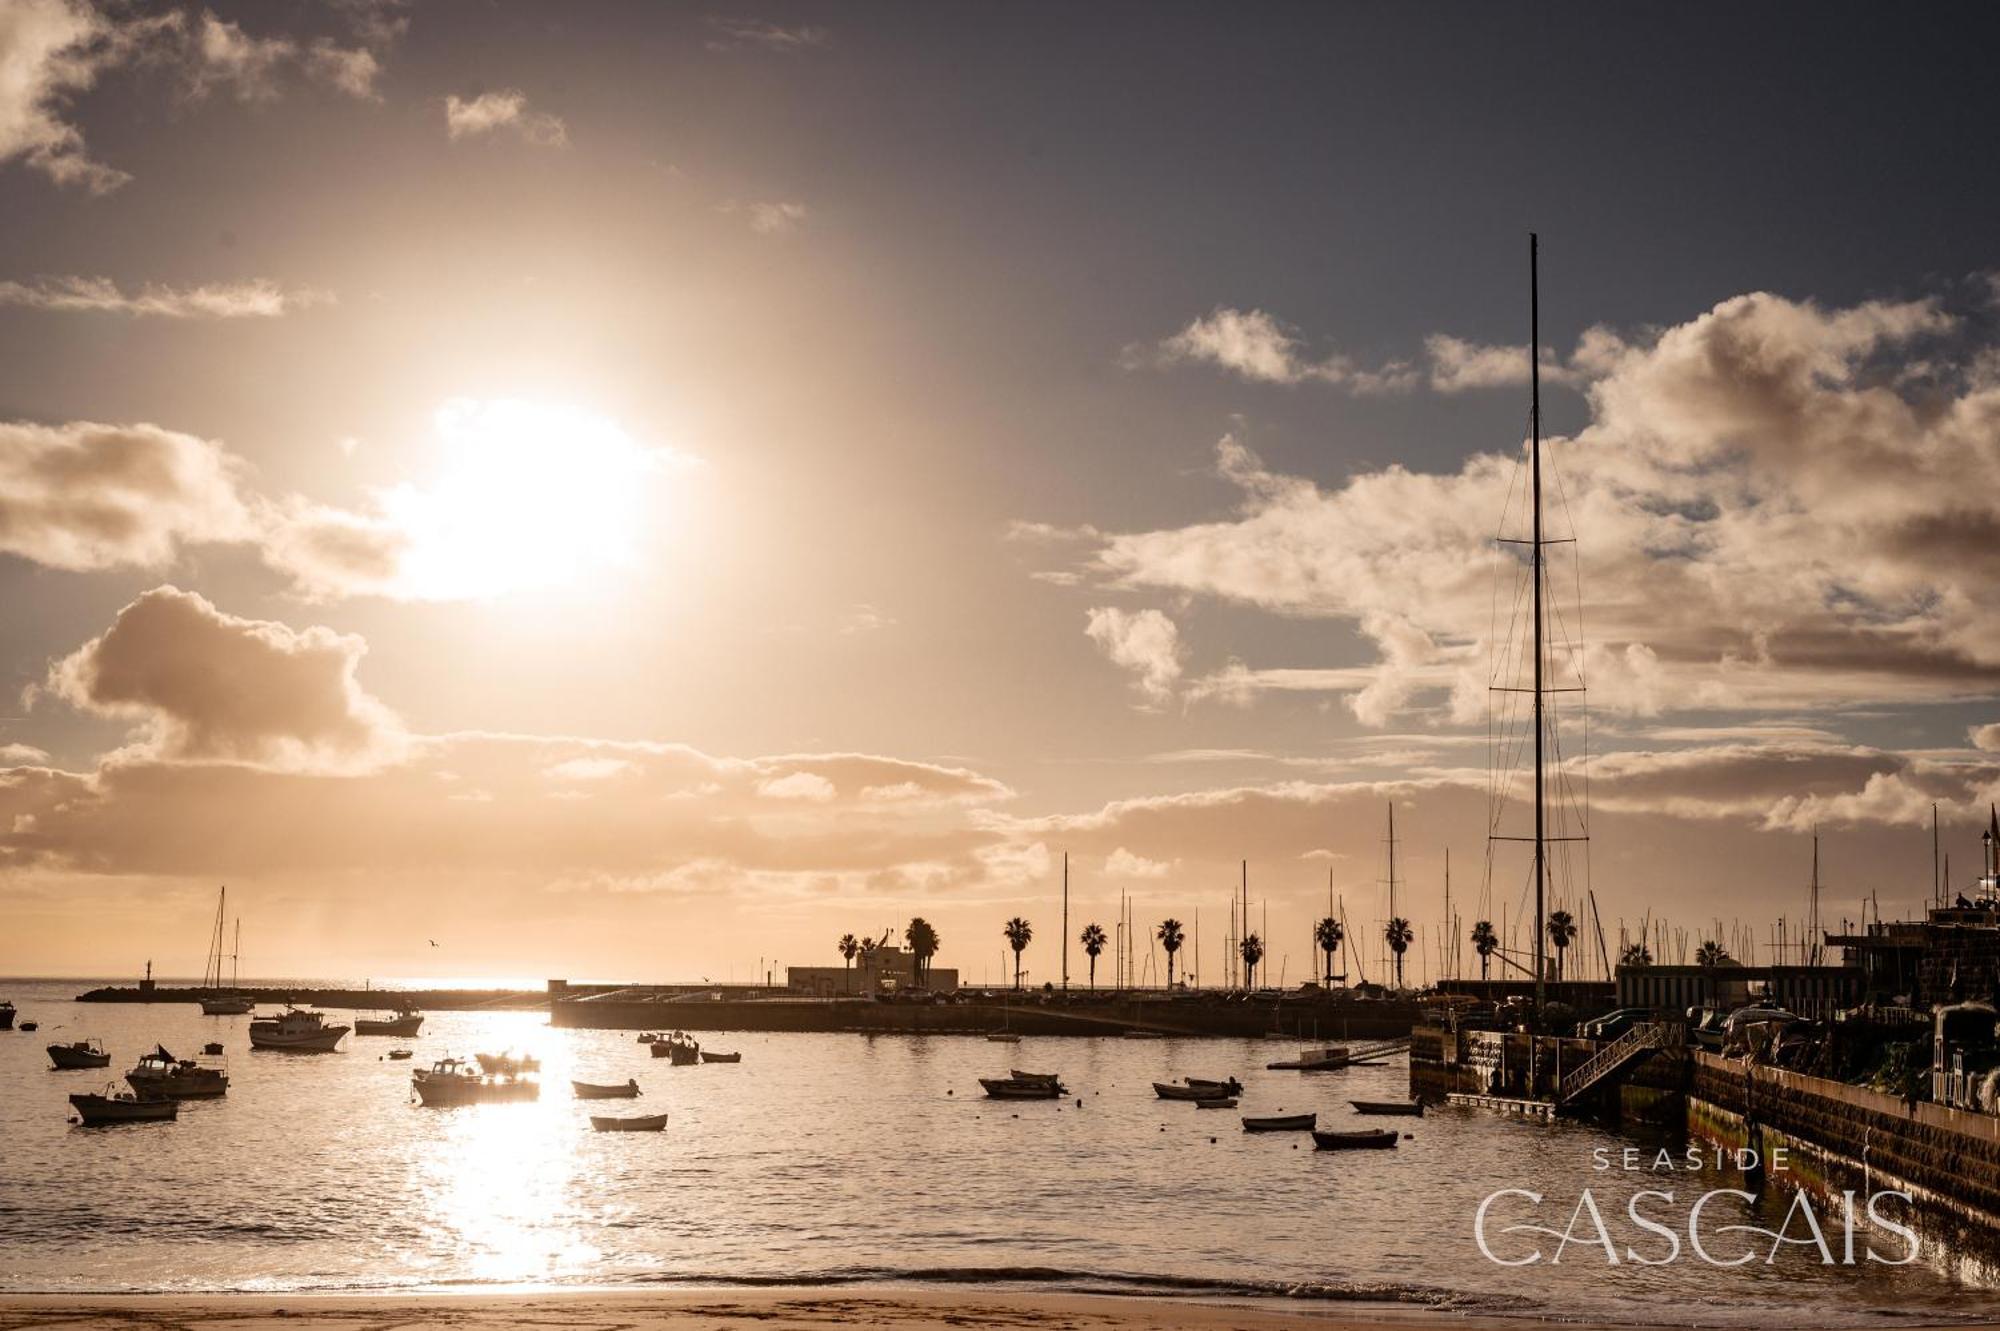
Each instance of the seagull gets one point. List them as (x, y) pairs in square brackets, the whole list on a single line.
[(434, 942)]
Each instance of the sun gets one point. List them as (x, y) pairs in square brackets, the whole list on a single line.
[(528, 496)]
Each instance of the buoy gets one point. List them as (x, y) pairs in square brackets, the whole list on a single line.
[(1211, 1141)]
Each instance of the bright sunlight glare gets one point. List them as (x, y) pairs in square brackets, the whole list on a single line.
[(529, 495)]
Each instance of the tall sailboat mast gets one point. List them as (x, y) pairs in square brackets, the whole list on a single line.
[(1535, 466)]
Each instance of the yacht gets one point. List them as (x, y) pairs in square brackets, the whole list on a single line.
[(298, 1030), (217, 1001)]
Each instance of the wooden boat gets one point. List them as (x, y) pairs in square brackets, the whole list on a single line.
[(1049, 1077), (1221, 1102), (398, 1055), (1003, 1037), (116, 1106), (1326, 1058), (403, 1023), (1377, 1139), (161, 1076), (297, 1031), (1282, 1123), (31, 1025), (586, 1090), (1194, 1088), (709, 1057), (1012, 1088), (452, 1081), (1384, 1108), (648, 1123), (78, 1054), (679, 1047)]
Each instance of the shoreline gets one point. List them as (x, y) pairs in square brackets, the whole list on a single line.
[(771, 1308)]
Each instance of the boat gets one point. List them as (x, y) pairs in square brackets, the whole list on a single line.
[(1196, 1088), (509, 1064), (1049, 1077), (116, 1106), (78, 1054), (6, 1015), (1282, 1123), (217, 1001), (648, 1037), (1384, 1108), (161, 1076), (404, 1023), (1013, 1088), (31, 1025), (1326, 1058), (710, 1057), (586, 1090), (678, 1046), (296, 1030), (1376, 1139), (1220, 1102), (398, 1055), (646, 1123), (1002, 1037), (453, 1081)]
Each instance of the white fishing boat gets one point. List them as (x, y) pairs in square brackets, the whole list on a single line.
[(296, 1030), (451, 1082), (161, 1076)]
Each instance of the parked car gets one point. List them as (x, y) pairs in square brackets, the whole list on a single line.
[(1614, 1024)]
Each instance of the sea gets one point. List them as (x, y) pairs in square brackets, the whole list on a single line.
[(830, 1159)]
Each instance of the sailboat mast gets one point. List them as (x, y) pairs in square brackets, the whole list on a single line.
[(1535, 465), (1065, 923)]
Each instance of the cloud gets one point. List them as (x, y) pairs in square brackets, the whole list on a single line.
[(1457, 366), (208, 686), (257, 299), (222, 56), (776, 219), (736, 33), (50, 51), (1257, 347), (507, 109), (1145, 642), (88, 496), (1122, 863), (1771, 515), (1986, 738)]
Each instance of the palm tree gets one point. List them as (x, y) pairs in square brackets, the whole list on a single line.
[(1711, 953), (1635, 954), (1485, 942), (1328, 934), (848, 946), (1093, 941), (1018, 932), (923, 941), (1252, 949), (1171, 938), (1562, 932), (1400, 936)]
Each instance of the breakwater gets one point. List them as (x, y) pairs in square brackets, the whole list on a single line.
[(1330, 1020), (365, 999)]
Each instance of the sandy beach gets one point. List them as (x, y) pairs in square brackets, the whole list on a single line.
[(778, 1309)]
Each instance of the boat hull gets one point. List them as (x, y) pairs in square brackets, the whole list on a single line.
[(707, 1057), (452, 1092), (98, 1111), (68, 1058), (1197, 1090), (1389, 1108), (322, 1041), (648, 1123), (408, 1024), (1007, 1089), (192, 1087), (1380, 1140), (1282, 1123), (227, 1007), (591, 1091)]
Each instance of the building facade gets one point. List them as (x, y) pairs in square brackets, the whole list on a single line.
[(880, 970)]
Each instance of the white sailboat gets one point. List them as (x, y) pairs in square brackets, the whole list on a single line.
[(215, 1000)]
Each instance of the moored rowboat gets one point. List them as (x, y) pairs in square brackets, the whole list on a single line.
[(649, 1123), (1383, 1108), (1282, 1123), (585, 1090), (1373, 1140)]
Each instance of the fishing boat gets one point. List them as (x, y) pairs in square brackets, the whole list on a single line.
[(116, 1106), (78, 1054), (1378, 1139), (450, 1082), (216, 1001), (679, 1047), (1220, 1102), (1386, 1108), (400, 1055), (1195, 1088), (161, 1076), (587, 1090), (1282, 1123), (509, 1064), (646, 1123), (6, 1015), (404, 1023), (1013, 1088), (296, 1030), (1326, 1058), (708, 1056)]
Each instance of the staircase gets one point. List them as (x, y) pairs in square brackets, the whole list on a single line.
[(1639, 1042)]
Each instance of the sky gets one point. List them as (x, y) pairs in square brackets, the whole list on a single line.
[(638, 491)]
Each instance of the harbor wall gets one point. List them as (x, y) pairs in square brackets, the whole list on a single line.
[(363, 1000), (1840, 1135)]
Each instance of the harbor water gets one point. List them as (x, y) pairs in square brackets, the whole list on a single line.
[(829, 1158)]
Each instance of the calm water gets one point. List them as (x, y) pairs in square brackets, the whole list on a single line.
[(833, 1156)]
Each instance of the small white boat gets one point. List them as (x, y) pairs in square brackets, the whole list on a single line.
[(78, 1054), (585, 1090), (645, 1123), (296, 1030), (116, 1106)]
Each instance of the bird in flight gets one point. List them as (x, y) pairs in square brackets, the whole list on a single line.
[(434, 942)]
